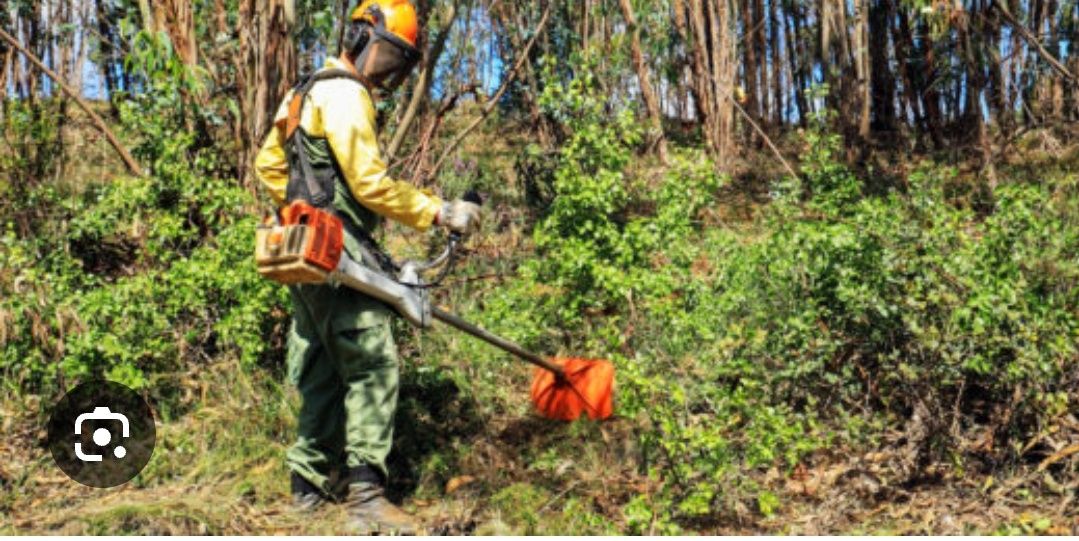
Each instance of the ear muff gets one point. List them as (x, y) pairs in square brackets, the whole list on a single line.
[(357, 36)]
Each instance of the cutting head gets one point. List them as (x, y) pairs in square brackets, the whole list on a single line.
[(585, 388)]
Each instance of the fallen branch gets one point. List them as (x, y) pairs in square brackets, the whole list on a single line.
[(756, 127), (1058, 456), (129, 161), (491, 103)]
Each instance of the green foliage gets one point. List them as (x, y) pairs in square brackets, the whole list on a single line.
[(529, 510), (152, 283), (767, 503), (31, 144), (171, 117), (833, 313), (139, 278), (595, 252), (838, 315)]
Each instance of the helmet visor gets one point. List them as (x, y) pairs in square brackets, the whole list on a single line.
[(388, 60)]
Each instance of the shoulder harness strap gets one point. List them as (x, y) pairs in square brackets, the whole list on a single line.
[(319, 195), (295, 106), (373, 254)]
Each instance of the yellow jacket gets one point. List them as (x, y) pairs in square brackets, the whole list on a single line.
[(341, 111)]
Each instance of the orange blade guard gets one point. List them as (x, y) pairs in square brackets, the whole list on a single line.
[(586, 389)]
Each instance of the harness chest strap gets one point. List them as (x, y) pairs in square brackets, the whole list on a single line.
[(318, 195), (373, 255)]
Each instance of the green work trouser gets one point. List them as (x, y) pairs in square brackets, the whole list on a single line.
[(342, 357)]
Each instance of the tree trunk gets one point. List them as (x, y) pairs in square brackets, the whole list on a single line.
[(882, 79), (907, 60), (759, 42), (648, 94), (749, 62), (774, 30), (1057, 86), (177, 19), (686, 23), (801, 62), (725, 73), (998, 92), (265, 71), (860, 51), (972, 112), (928, 91), (707, 105), (146, 15), (714, 49)]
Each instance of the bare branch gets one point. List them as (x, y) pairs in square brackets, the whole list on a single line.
[(129, 161), (491, 103), (1033, 40)]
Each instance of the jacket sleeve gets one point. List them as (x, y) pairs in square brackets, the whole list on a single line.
[(271, 166), (349, 126)]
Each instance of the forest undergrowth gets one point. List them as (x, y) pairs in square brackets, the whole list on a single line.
[(869, 350)]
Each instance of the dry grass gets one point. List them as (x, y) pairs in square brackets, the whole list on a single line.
[(219, 469)]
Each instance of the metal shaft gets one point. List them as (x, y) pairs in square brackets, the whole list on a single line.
[(494, 340)]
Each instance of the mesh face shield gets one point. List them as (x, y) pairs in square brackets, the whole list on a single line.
[(386, 60)]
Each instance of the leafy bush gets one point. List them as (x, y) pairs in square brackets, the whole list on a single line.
[(833, 314), (31, 152), (833, 318), (185, 290), (138, 279)]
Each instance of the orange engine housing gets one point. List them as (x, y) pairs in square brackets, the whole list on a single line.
[(304, 248)]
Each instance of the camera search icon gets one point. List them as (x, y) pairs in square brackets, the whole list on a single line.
[(102, 434)]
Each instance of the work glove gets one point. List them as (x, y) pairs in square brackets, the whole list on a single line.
[(460, 216)]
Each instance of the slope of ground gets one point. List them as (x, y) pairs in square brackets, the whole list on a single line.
[(471, 457), (219, 470)]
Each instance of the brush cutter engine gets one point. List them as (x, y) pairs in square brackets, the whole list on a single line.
[(305, 246)]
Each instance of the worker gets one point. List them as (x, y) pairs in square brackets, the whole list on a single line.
[(341, 354)]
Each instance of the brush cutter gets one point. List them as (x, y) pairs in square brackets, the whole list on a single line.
[(305, 246)]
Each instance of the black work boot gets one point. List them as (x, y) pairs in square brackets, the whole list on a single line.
[(306, 497), (369, 510)]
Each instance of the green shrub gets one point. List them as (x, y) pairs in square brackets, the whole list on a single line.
[(832, 315), (185, 294), (140, 279)]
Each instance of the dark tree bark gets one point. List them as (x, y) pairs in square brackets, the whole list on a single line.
[(882, 80), (749, 61), (774, 31)]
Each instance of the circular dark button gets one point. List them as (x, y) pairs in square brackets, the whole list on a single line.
[(102, 434)]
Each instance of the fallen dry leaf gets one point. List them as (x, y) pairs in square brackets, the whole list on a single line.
[(453, 485)]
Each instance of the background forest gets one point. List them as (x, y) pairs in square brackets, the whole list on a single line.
[(831, 246)]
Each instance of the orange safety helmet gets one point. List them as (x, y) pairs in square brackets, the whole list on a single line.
[(399, 17), (382, 40)]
